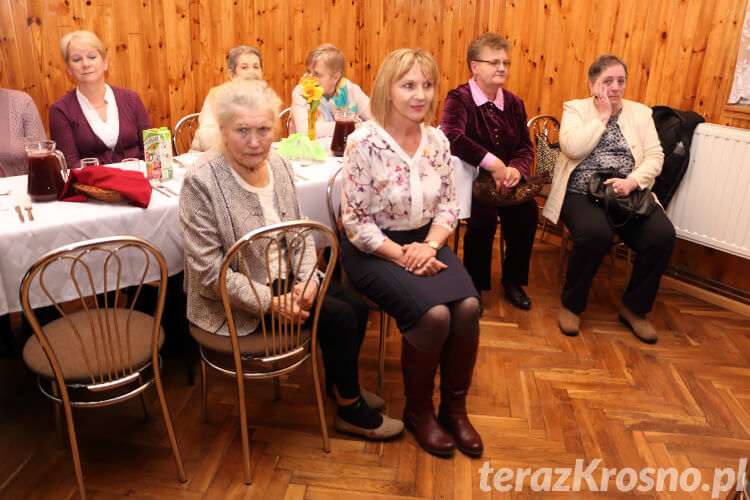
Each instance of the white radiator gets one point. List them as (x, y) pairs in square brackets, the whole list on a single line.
[(712, 204)]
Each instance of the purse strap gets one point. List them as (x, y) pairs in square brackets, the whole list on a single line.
[(606, 209)]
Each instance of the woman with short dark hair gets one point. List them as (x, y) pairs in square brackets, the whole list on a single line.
[(486, 126), (602, 132)]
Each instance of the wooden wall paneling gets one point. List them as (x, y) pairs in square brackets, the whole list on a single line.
[(684, 53), (11, 73), (707, 83), (725, 69), (195, 51), (156, 95), (575, 74), (701, 29), (177, 63)]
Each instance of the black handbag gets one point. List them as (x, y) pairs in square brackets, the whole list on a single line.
[(619, 209)]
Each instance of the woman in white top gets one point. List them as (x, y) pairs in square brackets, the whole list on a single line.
[(95, 119), (399, 207), (242, 60), (326, 63)]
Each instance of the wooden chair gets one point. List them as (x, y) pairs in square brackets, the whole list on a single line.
[(184, 132), (545, 134), (106, 352), (277, 347), (384, 318)]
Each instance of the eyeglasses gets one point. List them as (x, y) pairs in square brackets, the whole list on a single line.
[(495, 62)]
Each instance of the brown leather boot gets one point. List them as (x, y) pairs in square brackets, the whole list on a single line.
[(457, 362), (419, 369)]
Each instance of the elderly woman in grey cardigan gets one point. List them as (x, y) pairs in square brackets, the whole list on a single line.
[(243, 187)]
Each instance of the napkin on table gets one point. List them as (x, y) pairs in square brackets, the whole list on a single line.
[(131, 184)]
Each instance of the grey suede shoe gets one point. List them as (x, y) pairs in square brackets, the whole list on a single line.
[(389, 428), (373, 400), (641, 326), (569, 321)]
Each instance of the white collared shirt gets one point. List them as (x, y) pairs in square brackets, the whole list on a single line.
[(107, 131)]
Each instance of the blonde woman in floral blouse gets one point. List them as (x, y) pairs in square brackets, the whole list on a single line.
[(399, 206)]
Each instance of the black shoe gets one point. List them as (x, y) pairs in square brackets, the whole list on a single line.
[(517, 296)]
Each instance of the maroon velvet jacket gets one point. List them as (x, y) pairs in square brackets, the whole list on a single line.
[(473, 130), (75, 138)]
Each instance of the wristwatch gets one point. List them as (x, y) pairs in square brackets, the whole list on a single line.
[(432, 244)]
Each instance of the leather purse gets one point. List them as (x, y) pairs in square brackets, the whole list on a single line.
[(546, 158), (619, 209), (485, 190)]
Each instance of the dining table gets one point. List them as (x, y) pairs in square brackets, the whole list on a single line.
[(59, 223)]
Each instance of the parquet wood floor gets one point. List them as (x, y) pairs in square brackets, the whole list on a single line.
[(538, 398)]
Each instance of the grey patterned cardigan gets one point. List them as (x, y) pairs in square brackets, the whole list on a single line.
[(214, 213)]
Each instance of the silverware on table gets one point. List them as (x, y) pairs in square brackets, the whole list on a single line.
[(27, 207), (20, 214), (160, 190), (169, 190)]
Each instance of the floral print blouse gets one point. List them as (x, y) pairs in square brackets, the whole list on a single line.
[(382, 188)]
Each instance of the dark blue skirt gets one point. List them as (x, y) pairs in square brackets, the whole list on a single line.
[(401, 294)]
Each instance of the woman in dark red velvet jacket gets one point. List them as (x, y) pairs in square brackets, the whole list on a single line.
[(486, 126), (95, 120)]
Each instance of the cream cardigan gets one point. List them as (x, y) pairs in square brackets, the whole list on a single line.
[(580, 132)]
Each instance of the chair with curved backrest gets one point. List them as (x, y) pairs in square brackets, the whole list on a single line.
[(384, 318), (105, 352), (545, 134), (288, 113), (277, 346), (184, 132)]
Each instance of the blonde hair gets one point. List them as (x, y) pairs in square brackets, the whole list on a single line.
[(394, 67), (86, 37), (331, 55), (242, 94)]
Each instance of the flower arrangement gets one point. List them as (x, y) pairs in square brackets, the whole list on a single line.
[(312, 91)]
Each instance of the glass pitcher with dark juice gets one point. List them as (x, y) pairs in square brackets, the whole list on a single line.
[(47, 170), (344, 126)]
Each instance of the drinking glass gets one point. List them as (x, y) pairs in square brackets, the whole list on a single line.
[(133, 164), (89, 162)]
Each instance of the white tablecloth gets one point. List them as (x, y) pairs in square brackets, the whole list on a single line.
[(60, 223)]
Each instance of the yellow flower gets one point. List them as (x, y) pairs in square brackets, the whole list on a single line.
[(311, 88)]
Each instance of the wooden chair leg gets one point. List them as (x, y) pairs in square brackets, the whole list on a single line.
[(502, 247), (319, 399), (168, 424), (381, 351), (613, 255), (544, 228), (142, 397), (204, 392), (456, 235), (276, 387)]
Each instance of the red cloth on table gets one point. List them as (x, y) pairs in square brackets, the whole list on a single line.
[(129, 183)]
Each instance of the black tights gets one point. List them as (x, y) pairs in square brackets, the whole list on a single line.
[(459, 318)]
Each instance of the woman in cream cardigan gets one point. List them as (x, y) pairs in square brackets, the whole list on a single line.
[(607, 131)]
